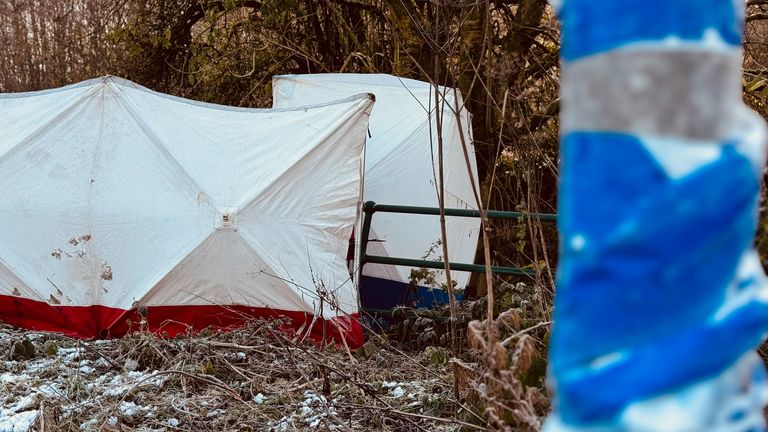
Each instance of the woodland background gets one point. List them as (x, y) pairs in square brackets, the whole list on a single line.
[(503, 55)]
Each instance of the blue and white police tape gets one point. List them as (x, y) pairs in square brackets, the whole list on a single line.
[(661, 299)]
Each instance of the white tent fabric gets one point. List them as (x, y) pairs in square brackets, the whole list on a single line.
[(401, 163), (117, 197)]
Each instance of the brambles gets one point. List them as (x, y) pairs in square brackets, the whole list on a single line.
[(254, 378)]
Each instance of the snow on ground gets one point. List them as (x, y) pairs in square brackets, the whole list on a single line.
[(26, 384), (208, 383)]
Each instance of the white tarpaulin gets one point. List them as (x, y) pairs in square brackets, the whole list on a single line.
[(401, 163), (117, 198)]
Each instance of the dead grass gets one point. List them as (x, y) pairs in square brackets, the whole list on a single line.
[(254, 379)]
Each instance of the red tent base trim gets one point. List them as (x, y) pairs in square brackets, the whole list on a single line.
[(100, 322)]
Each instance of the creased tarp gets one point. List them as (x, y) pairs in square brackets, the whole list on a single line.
[(660, 297), (401, 163), (120, 197)]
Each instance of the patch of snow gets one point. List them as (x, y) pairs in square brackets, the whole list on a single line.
[(9, 378), (313, 410), (128, 409), (39, 365), (88, 425), (215, 412), (172, 422), (415, 391), (21, 422), (69, 354), (117, 391), (282, 425), (50, 389), (27, 402), (121, 384), (306, 411), (259, 399)]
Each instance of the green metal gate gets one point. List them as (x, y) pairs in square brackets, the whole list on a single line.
[(370, 208)]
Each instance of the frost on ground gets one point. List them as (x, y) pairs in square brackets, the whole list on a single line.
[(254, 379)]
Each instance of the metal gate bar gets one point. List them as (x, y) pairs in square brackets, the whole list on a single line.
[(370, 208)]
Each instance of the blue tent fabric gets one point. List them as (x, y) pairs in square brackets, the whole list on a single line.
[(661, 299)]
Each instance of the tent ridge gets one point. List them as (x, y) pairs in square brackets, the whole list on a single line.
[(93, 82), (54, 120), (165, 152), (358, 109), (127, 83)]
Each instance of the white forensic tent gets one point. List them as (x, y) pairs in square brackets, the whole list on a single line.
[(118, 199), (401, 162)]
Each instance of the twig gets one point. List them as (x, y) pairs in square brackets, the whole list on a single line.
[(506, 341)]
